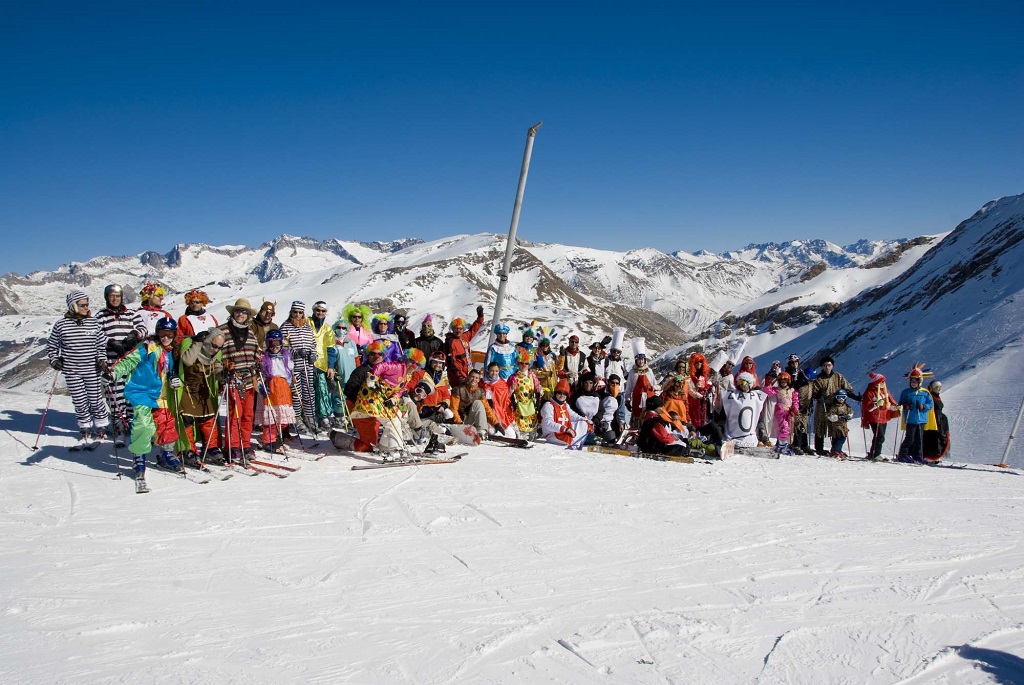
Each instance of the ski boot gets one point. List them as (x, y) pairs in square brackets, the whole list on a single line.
[(168, 460), (119, 440), (82, 443), (191, 460), (140, 474), (215, 456)]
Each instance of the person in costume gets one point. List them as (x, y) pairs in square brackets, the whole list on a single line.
[(323, 366), (381, 328), (545, 362), (572, 362), (609, 420), (152, 308), (640, 385), (457, 347), (800, 381), (614, 364), (124, 329), (823, 389), (275, 392), (839, 414), (700, 399), (787, 405), (747, 365), (302, 344), (660, 433), (559, 423), (346, 361), (503, 352), (400, 327), (427, 342), (152, 390), (358, 318), (240, 357), (676, 393), (586, 401), (524, 389), (742, 405), (77, 346), (200, 370), (878, 408), (936, 431), (469, 405), (529, 338), (499, 396), (917, 403), (263, 323), (377, 403), (196, 318)]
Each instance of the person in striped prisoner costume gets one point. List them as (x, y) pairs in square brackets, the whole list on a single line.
[(240, 357), (300, 340), (77, 347), (124, 329)]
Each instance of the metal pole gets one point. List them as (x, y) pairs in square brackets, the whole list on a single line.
[(1009, 441), (510, 245)]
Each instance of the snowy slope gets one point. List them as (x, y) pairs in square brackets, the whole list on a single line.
[(512, 566)]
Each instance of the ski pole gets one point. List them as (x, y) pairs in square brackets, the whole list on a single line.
[(43, 419), (896, 441), (113, 404), (344, 405)]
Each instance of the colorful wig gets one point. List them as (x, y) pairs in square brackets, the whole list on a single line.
[(348, 310), (196, 295), (149, 289), (416, 356)]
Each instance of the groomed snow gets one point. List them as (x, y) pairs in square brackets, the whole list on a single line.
[(512, 566)]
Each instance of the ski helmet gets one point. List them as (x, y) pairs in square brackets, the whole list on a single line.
[(112, 289), (275, 335), (438, 357), (166, 324), (841, 395)]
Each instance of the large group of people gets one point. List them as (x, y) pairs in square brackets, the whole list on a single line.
[(144, 378)]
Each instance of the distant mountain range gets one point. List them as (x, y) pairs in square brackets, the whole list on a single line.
[(876, 303)]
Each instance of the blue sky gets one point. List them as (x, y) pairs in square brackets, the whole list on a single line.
[(132, 126)]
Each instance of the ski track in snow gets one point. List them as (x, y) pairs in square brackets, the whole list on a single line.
[(511, 566)]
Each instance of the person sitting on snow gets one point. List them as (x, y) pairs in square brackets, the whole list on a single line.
[(608, 422), (500, 399), (742, 406), (469, 405), (586, 401), (657, 434), (559, 424)]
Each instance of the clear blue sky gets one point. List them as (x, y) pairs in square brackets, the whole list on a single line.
[(127, 126)]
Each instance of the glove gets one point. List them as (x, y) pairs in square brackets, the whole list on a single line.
[(107, 376), (833, 417), (175, 382), (390, 403), (57, 364), (629, 406), (130, 341), (447, 413), (101, 365), (894, 407), (262, 389), (479, 311)]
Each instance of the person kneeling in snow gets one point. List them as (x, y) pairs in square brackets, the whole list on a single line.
[(559, 424)]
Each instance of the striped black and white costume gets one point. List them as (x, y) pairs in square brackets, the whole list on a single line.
[(79, 342), (117, 324), (301, 342)]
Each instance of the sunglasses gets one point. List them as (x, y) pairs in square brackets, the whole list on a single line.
[(296, 311), (319, 311), (216, 347), (356, 316), (82, 306)]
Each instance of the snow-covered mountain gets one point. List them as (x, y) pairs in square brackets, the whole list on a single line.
[(806, 296)]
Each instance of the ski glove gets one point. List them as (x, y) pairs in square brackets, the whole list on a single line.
[(833, 417), (479, 311), (175, 382), (57, 364)]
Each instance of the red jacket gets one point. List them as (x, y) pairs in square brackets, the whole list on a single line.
[(457, 349), (874, 407)]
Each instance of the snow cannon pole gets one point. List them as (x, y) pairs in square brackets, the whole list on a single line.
[(510, 245), (1009, 441), (50, 397)]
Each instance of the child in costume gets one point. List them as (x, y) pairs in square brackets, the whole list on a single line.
[(787, 404), (917, 403), (275, 395), (500, 398), (839, 413)]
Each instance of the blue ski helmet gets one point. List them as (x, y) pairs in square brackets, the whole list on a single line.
[(841, 396), (275, 334), (167, 324)]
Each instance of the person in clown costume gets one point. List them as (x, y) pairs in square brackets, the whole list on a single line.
[(195, 319), (358, 319), (377, 403), (152, 309), (503, 352), (878, 407), (382, 329)]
